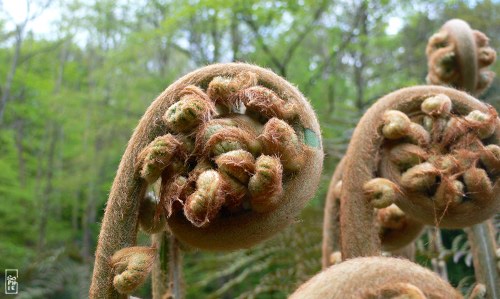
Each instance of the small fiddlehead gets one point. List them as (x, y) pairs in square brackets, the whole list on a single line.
[(459, 56)]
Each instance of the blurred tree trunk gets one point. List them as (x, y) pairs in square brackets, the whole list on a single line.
[(235, 36), (7, 86), (53, 133), (360, 59)]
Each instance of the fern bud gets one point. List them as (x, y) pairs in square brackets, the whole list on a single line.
[(437, 105), (396, 228), (279, 138), (391, 217), (454, 128), (238, 164), (266, 185), (223, 90), (132, 266), (448, 164), (407, 155), (483, 124), (449, 192), (396, 124), (486, 56), (156, 156), (418, 135), (478, 184), (192, 109), (439, 40), (420, 177), (217, 137), (264, 102), (202, 206), (490, 157), (485, 79), (380, 192)]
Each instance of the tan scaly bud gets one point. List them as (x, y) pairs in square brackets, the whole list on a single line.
[(478, 184), (204, 204), (156, 156), (391, 217), (380, 192), (448, 164), (131, 266), (218, 137), (490, 157), (449, 192), (235, 167), (419, 177), (483, 124), (264, 102), (266, 186), (396, 124), (419, 135), (238, 164), (454, 129), (279, 138), (486, 56), (192, 109), (480, 38), (407, 155), (438, 105), (223, 90)]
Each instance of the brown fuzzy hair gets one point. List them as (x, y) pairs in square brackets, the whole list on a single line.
[(375, 277)]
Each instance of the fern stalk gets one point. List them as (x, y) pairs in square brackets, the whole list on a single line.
[(483, 247)]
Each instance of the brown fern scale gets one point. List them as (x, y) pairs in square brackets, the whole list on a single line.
[(459, 56), (438, 148), (376, 277), (251, 133)]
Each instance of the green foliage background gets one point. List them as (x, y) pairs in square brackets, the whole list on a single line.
[(77, 93)]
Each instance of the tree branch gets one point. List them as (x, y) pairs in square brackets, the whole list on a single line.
[(334, 52)]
